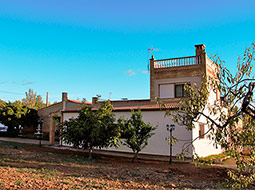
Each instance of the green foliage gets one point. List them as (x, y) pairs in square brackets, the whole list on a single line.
[(182, 155), (31, 117), (15, 114), (2, 103), (33, 101), (227, 122), (135, 132), (92, 128), (11, 115), (241, 147), (212, 159), (194, 105)]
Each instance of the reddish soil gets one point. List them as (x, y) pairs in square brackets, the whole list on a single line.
[(184, 171), (29, 167)]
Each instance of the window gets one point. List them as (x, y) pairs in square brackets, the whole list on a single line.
[(166, 90), (179, 91), (201, 131)]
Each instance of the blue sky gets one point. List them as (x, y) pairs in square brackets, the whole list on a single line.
[(101, 46)]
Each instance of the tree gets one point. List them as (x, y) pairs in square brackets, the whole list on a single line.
[(229, 120), (33, 101), (13, 114), (2, 103), (135, 132), (92, 128)]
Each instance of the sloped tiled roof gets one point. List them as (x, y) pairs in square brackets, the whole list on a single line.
[(133, 105), (73, 101), (73, 109), (79, 102)]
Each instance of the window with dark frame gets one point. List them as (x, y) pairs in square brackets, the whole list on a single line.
[(201, 131), (179, 91)]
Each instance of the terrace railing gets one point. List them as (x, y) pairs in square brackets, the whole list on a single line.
[(176, 62)]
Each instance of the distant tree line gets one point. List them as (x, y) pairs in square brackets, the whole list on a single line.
[(20, 113)]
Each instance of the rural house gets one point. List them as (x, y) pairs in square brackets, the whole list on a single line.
[(167, 79)]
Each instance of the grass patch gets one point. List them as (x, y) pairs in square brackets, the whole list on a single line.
[(62, 158), (213, 159), (12, 145), (46, 157), (216, 156)]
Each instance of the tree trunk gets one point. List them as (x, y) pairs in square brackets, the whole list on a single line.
[(90, 153), (135, 157), (11, 132)]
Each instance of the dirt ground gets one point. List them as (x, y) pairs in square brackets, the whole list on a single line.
[(66, 169), (187, 170)]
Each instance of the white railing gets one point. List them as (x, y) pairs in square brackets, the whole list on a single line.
[(176, 62)]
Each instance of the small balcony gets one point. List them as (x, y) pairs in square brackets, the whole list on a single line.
[(177, 62)]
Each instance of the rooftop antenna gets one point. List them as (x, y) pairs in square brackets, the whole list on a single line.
[(150, 50), (110, 93)]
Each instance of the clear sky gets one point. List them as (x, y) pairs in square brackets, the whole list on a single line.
[(89, 47)]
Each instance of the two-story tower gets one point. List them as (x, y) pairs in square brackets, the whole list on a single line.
[(168, 76)]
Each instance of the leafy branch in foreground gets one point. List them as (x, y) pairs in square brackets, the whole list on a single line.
[(230, 119)]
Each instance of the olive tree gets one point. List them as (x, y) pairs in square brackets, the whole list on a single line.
[(94, 127), (135, 132)]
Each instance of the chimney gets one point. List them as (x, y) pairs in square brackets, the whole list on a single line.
[(64, 100), (152, 78), (47, 99), (94, 100), (64, 96), (200, 49)]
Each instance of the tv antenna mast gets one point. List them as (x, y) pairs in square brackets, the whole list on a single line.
[(150, 50), (110, 93)]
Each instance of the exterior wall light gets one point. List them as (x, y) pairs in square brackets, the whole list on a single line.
[(170, 128)]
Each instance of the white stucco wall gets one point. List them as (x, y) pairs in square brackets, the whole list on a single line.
[(67, 116), (206, 146), (158, 143)]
